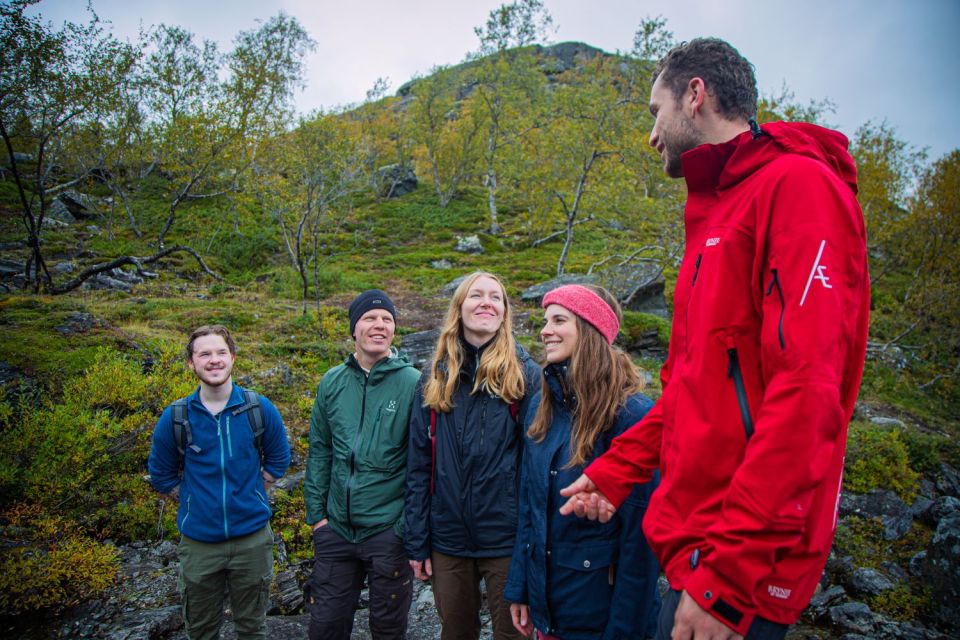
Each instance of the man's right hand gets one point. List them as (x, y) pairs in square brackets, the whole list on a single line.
[(586, 500), (319, 523), (422, 569), (520, 615)]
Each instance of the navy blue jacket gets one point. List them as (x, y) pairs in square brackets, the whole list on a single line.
[(221, 493), (581, 579), (473, 510)]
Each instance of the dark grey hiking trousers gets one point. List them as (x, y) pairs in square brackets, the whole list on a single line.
[(339, 568)]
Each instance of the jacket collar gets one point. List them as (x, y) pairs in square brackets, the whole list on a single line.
[(393, 361), (555, 375), (711, 167), (236, 397), (471, 357)]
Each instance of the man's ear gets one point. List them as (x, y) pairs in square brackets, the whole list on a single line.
[(695, 95)]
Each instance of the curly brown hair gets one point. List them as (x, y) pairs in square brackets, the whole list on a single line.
[(728, 76)]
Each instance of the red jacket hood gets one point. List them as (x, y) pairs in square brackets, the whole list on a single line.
[(719, 166)]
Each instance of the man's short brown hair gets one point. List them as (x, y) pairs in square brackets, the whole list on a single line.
[(728, 76), (208, 330)]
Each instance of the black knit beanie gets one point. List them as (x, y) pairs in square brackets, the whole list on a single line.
[(369, 299)]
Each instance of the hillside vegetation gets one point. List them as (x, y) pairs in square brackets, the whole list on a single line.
[(234, 211)]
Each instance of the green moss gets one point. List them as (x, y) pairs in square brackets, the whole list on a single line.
[(636, 323), (901, 603), (862, 540), (288, 521), (10, 195)]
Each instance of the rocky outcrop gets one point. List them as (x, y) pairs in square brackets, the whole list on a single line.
[(418, 347), (843, 604), (469, 244), (116, 279), (637, 287), (395, 180)]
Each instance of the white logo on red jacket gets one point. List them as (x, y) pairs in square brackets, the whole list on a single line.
[(817, 273), (781, 593), (712, 242)]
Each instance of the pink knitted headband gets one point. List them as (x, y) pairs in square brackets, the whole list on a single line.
[(587, 305)]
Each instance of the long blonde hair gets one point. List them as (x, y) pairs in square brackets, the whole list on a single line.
[(499, 371), (601, 378)]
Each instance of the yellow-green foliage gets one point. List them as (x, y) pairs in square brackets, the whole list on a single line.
[(862, 539), (877, 458), (57, 567), (83, 456), (901, 603), (288, 513)]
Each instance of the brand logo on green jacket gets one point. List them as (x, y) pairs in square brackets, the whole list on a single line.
[(391, 407)]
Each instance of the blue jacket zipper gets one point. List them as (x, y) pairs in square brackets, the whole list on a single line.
[(223, 477)]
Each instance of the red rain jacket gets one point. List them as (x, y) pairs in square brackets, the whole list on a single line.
[(766, 356)]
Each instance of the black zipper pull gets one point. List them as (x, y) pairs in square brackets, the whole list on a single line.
[(696, 269), (775, 283)]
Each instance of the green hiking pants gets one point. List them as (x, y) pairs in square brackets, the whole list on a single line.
[(242, 566)]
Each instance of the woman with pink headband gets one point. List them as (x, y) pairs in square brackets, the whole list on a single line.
[(571, 578)]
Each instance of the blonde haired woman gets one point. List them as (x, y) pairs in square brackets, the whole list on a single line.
[(571, 578), (464, 458)]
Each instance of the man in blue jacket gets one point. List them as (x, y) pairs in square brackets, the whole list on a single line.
[(219, 450)]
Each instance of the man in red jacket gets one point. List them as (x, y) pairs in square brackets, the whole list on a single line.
[(766, 356)]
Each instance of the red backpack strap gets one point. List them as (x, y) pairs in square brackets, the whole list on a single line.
[(433, 447)]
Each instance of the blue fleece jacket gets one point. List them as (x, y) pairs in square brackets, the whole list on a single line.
[(221, 494)]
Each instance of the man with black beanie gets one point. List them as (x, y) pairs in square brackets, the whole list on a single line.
[(354, 481)]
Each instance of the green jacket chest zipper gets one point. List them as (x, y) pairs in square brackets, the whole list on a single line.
[(353, 450)]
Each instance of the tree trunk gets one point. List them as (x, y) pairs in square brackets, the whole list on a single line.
[(492, 185)]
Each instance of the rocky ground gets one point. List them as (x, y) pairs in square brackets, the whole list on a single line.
[(143, 603)]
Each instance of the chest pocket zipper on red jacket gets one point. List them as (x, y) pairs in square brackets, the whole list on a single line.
[(696, 269), (775, 282), (733, 372)]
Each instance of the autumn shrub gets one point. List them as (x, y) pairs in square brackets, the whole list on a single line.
[(878, 458), (84, 455), (55, 566), (924, 449), (239, 251)]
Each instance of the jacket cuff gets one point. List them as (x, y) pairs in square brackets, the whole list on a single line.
[(719, 598), (515, 593), (615, 492)]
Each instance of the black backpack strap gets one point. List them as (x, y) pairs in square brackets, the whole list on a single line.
[(182, 433), (252, 404)]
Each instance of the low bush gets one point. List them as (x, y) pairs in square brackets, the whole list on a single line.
[(57, 567), (878, 458)]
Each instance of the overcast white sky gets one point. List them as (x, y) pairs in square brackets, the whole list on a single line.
[(892, 60)]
